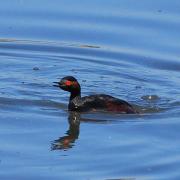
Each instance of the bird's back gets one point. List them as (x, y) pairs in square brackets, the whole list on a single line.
[(101, 102)]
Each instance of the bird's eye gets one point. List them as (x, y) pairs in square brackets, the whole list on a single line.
[(68, 83)]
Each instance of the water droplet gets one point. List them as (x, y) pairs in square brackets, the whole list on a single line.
[(150, 97), (36, 68)]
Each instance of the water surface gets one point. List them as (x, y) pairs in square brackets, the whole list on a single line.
[(122, 48)]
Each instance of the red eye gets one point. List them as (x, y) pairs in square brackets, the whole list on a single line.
[(68, 83)]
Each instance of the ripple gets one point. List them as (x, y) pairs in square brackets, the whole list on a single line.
[(150, 97), (11, 103), (128, 50)]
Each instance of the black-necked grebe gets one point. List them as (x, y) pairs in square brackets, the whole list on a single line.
[(97, 102)]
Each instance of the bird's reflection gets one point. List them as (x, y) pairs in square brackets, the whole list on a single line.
[(72, 134), (67, 141)]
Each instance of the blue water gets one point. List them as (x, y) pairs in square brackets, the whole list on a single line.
[(123, 48)]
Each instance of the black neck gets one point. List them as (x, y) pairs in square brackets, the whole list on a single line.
[(75, 94)]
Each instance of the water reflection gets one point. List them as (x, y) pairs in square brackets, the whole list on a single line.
[(67, 141), (75, 118)]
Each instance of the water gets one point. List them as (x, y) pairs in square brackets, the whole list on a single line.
[(124, 48)]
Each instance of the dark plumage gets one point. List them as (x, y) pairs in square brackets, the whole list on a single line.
[(97, 102)]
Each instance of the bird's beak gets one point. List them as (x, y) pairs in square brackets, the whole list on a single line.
[(56, 84)]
